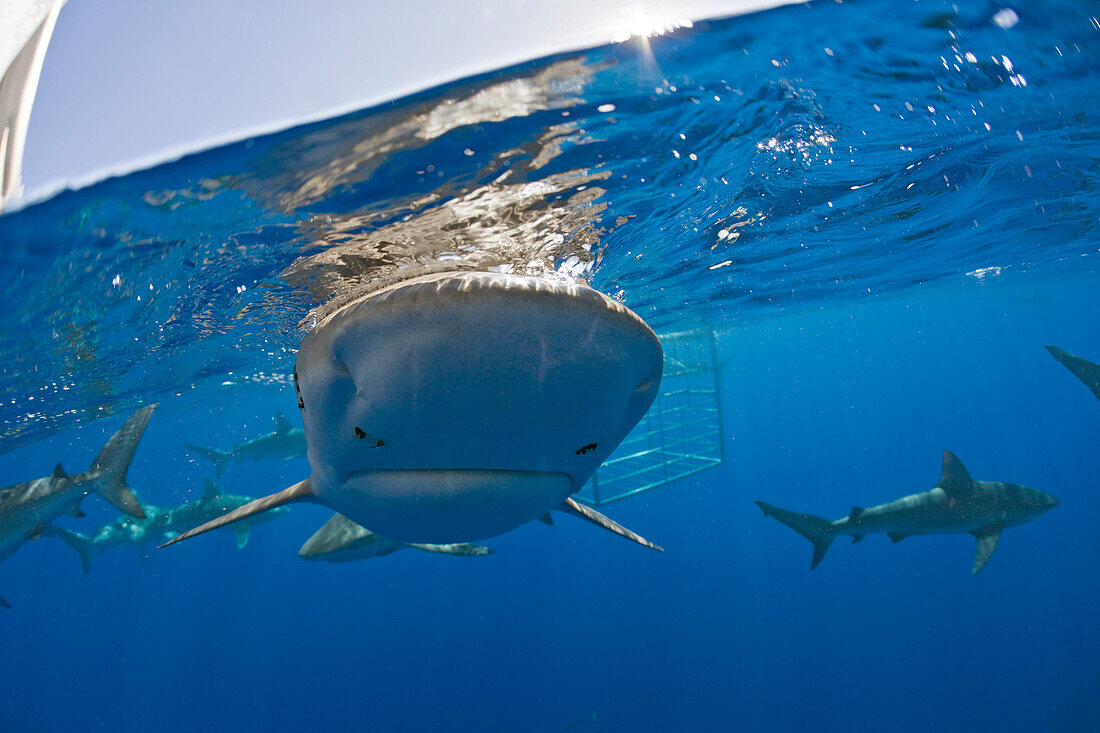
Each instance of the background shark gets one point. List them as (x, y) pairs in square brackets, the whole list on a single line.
[(342, 540), (957, 504), (26, 509), (1083, 369), (285, 443), (161, 524)]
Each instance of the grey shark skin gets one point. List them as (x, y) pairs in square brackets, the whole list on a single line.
[(27, 509), (342, 540), (161, 524), (1083, 369), (958, 504), (458, 406), (285, 443)]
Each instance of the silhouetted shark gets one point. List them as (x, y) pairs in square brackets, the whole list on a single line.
[(161, 524), (285, 443), (1083, 369), (27, 508), (959, 504)]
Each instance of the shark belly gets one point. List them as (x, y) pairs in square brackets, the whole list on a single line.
[(446, 505)]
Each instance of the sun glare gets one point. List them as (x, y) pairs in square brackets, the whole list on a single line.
[(643, 23)]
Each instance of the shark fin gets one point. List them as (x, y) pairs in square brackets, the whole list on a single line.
[(987, 543), (59, 472), (112, 463), (588, 513), (897, 537), (955, 479), (282, 425), (219, 458), (35, 532), (78, 542), (460, 548), (857, 538), (547, 519), (243, 531), (4, 604), (1083, 369), (817, 530), (853, 516), (77, 512), (210, 489), (301, 491)]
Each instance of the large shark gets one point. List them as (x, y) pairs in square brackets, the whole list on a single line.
[(455, 407), (958, 504), (1083, 369), (26, 509), (342, 540), (285, 443), (161, 524)]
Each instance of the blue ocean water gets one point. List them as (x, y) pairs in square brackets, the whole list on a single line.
[(884, 211)]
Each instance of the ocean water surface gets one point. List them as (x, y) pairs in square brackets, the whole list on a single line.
[(884, 211)]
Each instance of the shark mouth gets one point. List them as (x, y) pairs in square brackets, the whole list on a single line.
[(449, 505)]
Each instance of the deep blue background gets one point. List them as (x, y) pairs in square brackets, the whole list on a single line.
[(824, 407), (898, 268)]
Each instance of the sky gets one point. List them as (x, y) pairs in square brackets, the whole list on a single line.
[(130, 83)]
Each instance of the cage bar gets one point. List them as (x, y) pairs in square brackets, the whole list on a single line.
[(680, 435)]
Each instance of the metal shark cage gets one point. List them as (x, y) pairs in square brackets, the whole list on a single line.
[(680, 435)]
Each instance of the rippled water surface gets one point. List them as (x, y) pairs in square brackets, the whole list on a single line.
[(732, 169)]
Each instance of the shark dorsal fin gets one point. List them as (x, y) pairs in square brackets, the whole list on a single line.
[(955, 479), (58, 472), (987, 543), (282, 425), (210, 489), (853, 516)]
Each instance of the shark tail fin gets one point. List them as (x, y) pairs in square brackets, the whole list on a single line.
[(817, 530), (589, 514), (112, 463), (219, 458), (301, 491), (77, 541)]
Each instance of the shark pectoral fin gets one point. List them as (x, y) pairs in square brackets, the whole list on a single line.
[(35, 532), (897, 537), (987, 543), (77, 512), (547, 519), (301, 491), (588, 513), (243, 531), (459, 548)]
